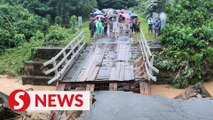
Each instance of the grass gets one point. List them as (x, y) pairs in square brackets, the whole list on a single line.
[(87, 32), (12, 60), (144, 28)]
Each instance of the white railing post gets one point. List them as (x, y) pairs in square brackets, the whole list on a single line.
[(54, 65), (148, 57), (72, 54), (64, 55)]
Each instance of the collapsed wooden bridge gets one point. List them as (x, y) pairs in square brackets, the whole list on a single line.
[(109, 64)]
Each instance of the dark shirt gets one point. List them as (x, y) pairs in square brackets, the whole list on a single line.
[(157, 24), (92, 26)]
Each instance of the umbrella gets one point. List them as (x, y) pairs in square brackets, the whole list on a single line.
[(126, 16), (99, 16), (128, 12), (133, 15), (96, 13), (117, 11), (122, 11), (111, 15)]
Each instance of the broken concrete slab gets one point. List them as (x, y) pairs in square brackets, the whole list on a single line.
[(130, 106), (5, 111)]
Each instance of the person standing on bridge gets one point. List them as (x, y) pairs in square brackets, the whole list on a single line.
[(110, 22), (115, 28), (127, 22), (92, 28), (99, 28)]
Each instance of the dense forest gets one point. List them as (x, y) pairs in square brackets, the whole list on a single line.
[(188, 37)]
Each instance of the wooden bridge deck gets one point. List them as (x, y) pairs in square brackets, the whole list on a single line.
[(107, 60)]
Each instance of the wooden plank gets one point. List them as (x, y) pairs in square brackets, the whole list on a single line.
[(132, 73), (117, 64), (113, 86), (92, 75), (117, 71), (121, 75), (120, 62), (129, 72), (98, 62), (142, 88), (83, 75), (90, 87), (76, 70), (126, 64), (112, 74), (107, 63), (145, 88), (91, 65), (126, 70), (104, 73)]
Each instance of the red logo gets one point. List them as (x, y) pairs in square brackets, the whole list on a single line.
[(19, 100)]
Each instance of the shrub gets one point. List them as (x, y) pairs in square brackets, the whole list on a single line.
[(188, 40)]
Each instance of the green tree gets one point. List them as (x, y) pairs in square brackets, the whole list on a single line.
[(147, 7), (116, 4), (66, 8), (18, 25), (188, 38), (74, 23)]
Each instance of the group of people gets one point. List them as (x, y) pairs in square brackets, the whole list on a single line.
[(99, 26), (112, 25), (134, 25), (154, 26)]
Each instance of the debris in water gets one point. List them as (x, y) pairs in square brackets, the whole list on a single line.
[(196, 91)]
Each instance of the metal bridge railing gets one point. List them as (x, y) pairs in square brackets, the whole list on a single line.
[(148, 58), (66, 57)]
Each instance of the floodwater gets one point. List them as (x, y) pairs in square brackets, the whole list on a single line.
[(165, 90), (169, 92), (209, 87), (7, 85)]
